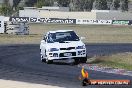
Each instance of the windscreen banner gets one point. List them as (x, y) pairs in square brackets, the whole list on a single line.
[(122, 22), (43, 20), (97, 22)]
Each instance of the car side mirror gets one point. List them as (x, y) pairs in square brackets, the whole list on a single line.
[(44, 39), (82, 38)]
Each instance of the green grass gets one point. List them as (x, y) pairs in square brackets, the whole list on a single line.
[(92, 33), (19, 39), (122, 60)]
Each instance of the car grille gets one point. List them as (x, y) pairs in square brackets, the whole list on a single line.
[(62, 54), (69, 48)]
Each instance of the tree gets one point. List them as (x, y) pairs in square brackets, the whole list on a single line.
[(116, 4), (101, 4), (6, 10), (15, 3), (124, 5), (30, 3), (79, 5), (109, 4), (82, 5), (41, 3), (88, 5), (63, 3)]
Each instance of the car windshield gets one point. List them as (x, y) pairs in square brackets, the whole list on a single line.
[(62, 37)]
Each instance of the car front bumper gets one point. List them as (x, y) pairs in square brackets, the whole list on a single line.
[(66, 54)]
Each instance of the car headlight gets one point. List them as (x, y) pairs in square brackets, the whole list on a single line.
[(53, 49), (80, 47)]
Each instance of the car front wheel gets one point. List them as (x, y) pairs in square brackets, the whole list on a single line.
[(49, 61), (76, 61), (42, 58), (83, 59)]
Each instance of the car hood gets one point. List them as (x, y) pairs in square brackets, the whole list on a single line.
[(64, 45)]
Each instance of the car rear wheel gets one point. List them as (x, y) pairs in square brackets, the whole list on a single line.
[(43, 60)]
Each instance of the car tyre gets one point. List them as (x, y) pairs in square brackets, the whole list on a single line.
[(46, 59), (49, 61), (76, 61), (42, 59), (83, 60)]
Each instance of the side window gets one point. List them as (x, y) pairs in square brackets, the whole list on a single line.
[(49, 39)]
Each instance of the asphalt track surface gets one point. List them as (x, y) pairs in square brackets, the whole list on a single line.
[(22, 63)]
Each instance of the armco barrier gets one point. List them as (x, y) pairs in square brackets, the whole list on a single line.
[(122, 22), (43, 20)]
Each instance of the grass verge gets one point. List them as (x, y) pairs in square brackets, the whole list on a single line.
[(92, 33), (20, 39), (120, 60)]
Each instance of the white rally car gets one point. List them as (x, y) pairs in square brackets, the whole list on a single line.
[(61, 45)]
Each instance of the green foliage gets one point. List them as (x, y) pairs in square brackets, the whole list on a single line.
[(88, 5), (30, 3), (82, 5), (78, 5), (116, 4), (41, 3), (124, 5), (6, 10), (15, 3), (64, 3), (101, 4)]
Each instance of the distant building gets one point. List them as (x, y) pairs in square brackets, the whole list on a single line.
[(60, 12), (66, 9), (35, 12)]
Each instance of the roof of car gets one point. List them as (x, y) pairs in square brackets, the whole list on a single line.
[(60, 31)]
